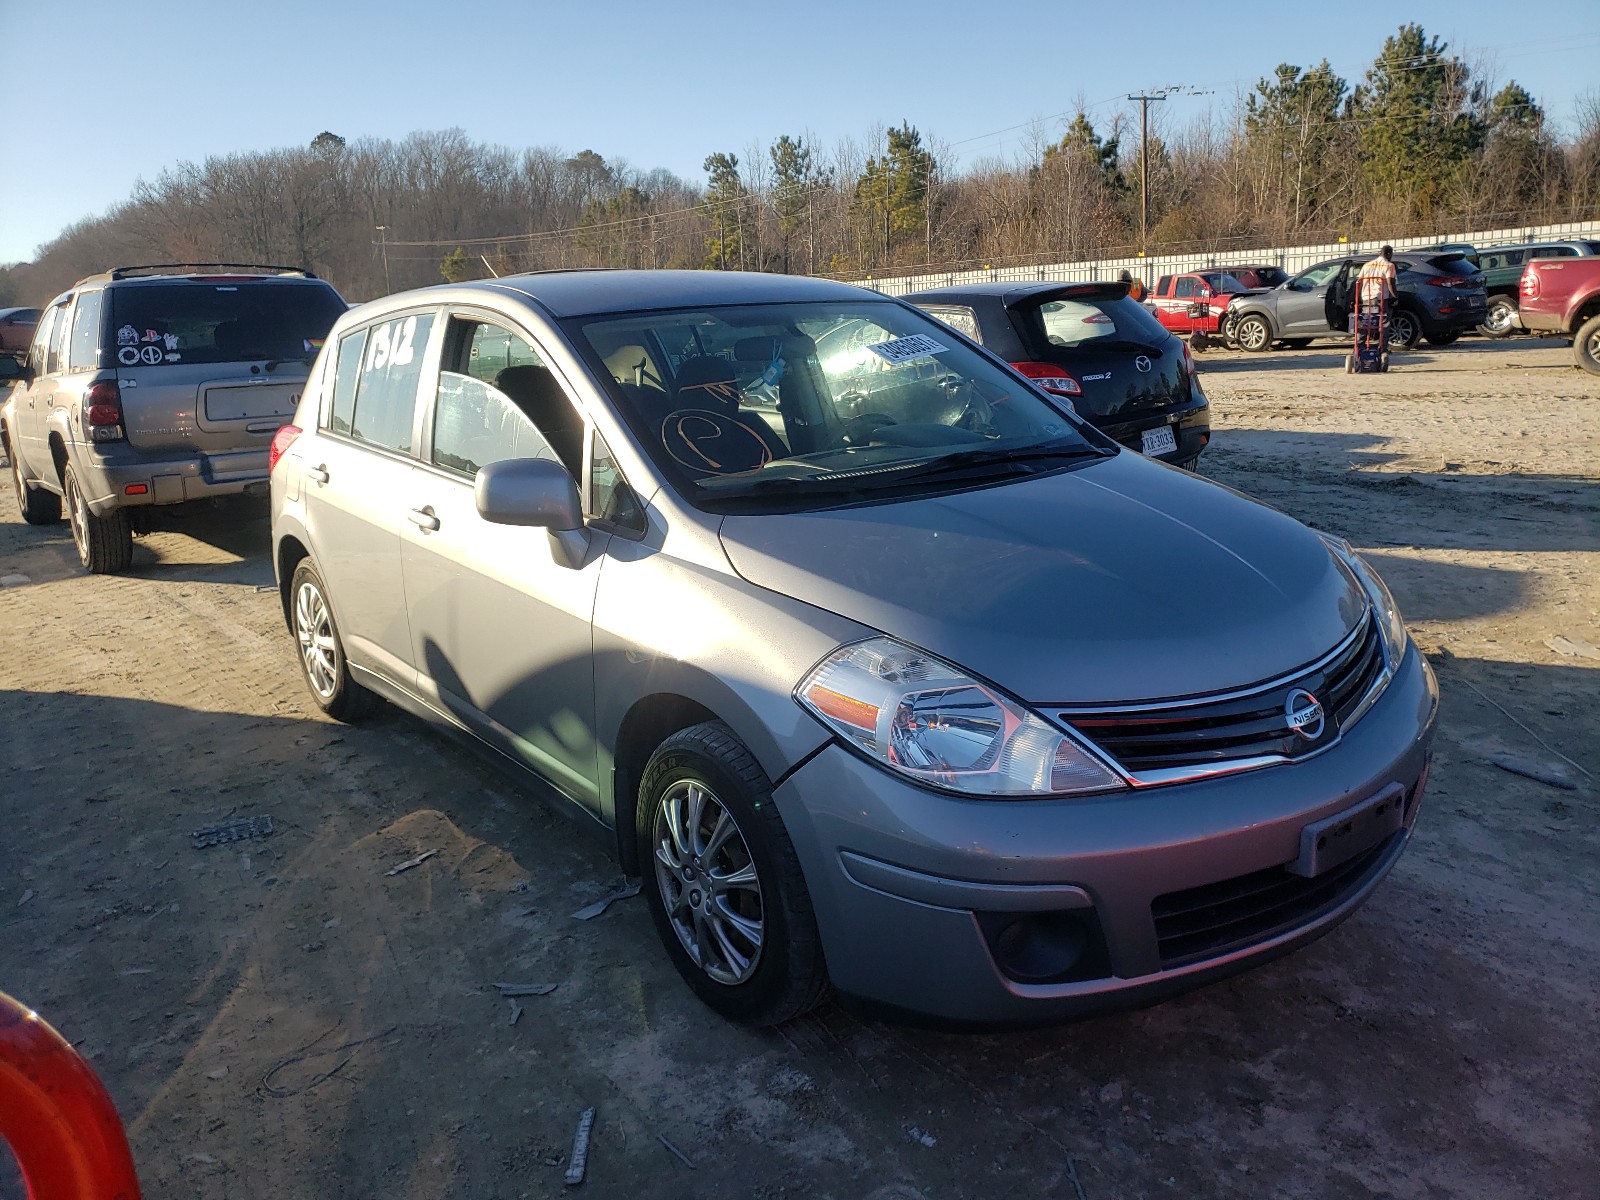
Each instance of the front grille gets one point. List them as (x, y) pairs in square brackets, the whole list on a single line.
[(1198, 734), (1206, 921)]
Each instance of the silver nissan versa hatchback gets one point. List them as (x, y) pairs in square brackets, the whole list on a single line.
[(936, 697)]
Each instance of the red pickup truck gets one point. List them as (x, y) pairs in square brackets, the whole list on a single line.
[(1561, 296), (1193, 303)]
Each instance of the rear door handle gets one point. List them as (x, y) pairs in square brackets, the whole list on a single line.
[(423, 518), (317, 474)]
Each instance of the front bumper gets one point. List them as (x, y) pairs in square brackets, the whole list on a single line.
[(914, 891)]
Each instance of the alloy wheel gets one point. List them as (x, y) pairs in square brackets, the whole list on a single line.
[(709, 883), (77, 515), (313, 629)]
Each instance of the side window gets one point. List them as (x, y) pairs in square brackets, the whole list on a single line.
[(610, 497), (85, 352), (961, 319), (1161, 286), (1188, 288), (497, 400), (56, 359), (346, 373), (39, 351), (1555, 252), (391, 369), (1317, 276)]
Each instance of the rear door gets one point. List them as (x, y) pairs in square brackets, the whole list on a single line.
[(1126, 363), (31, 406), (215, 364), (502, 631), (358, 486)]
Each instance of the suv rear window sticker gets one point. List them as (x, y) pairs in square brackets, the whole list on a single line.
[(149, 348), (906, 349)]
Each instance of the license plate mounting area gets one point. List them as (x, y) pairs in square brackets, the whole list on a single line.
[(1333, 840)]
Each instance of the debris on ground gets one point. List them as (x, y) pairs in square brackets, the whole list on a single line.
[(1572, 647), (590, 911), (923, 1136), (26, 896), (525, 989), (678, 1154), (1546, 773), (516, 1012), (412, 862), (579, 1162), (14, 580), (237, 830)]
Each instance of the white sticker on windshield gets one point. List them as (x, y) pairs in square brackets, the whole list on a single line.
[(918, 345)]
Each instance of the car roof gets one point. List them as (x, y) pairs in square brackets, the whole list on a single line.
[(6, 312), (596, 292), (1012, 291)]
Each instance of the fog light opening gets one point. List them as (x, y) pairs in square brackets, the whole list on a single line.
[(1041, 947)]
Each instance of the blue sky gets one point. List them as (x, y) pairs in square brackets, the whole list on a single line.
[(104, 94)]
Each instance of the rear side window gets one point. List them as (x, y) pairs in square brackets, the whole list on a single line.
[(961, 319), (84, 354), (1502, 258), (347, 372), (56, 360), (1555, 252), (243, 321), (1084, 321), (391, 368), (39, 351)]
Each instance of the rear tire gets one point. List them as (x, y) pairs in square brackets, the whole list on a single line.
[(1297, 343), (1586, 346), (321, 650), (105, 543), (1253, 333), (723, 882), (1443, 339), (38, 505), (1500, 318)]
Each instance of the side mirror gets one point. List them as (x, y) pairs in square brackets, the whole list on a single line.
[(539, 493)]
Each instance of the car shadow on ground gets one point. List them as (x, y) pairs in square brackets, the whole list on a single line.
[(229, 542)]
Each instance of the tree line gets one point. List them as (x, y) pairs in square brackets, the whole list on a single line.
[(1422, 142)]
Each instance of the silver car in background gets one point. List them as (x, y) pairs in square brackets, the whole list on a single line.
[(960, 710)]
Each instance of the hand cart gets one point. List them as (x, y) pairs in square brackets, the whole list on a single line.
[(1369, 329)]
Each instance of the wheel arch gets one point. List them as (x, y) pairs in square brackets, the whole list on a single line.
[(286, 556), (649, 722)]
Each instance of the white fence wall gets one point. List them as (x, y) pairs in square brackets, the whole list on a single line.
[(1290, 258)]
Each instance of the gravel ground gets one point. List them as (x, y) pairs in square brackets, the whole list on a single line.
[(283, 1017)]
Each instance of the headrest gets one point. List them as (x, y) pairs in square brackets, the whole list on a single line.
[(524, 379), (625, 362), (708, 383)]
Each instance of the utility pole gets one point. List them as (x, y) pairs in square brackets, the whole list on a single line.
[(1144, 164), (383, 243)]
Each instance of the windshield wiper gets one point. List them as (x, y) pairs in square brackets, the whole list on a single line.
[(992, 456)]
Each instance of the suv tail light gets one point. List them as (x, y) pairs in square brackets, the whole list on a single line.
[(1050, 377), (281, 441), (1529, 286), (102, 412)]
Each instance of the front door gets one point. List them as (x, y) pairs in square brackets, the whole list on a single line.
[(501, 629), (1301, 308)]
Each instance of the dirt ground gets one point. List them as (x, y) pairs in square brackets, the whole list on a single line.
[(284, 1017)]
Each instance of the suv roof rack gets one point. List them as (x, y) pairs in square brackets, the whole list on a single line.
[(159, 268)]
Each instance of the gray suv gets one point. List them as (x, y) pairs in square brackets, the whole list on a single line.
[(1441, 296), (146, 387), (905, 702)]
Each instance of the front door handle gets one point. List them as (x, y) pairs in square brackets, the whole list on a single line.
[(317, 474), (423, 518)]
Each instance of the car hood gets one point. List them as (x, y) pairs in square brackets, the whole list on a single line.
[(1120, 581)]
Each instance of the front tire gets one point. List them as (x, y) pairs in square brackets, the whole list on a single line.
[(1586, 346), (105, 543), (322, 660), (1500, 318), (1253, 333), (38, 505), (723, 881), (1405, 331)]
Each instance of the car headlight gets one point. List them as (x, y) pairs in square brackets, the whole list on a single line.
[(1390, 627), (925, 719)]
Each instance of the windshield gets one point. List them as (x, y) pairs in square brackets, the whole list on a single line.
[(1225, 285), (240, 321), (821, 403)]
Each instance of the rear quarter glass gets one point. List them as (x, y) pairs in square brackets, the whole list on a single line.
[(166, 323), (1119, 319)]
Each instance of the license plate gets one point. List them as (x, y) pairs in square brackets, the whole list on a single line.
[(1326, 843), (1159, 441)]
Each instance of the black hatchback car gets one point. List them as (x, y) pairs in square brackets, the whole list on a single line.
[(1092, 344)]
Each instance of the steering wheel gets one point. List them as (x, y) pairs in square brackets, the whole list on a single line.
[(858, 430)]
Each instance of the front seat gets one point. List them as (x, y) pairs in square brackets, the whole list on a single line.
[(706, 431), (540, 396)]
